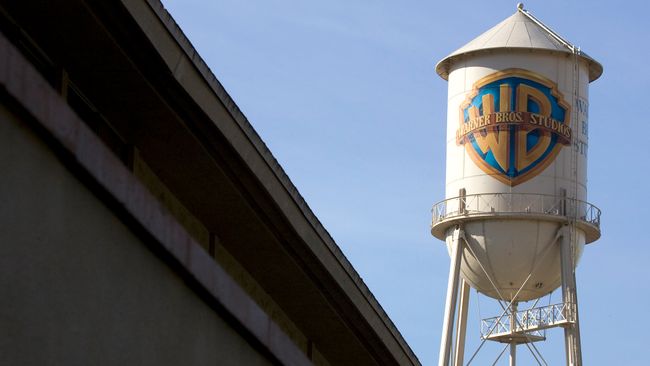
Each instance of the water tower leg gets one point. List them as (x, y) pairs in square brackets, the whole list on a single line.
[(452, 295), (570, 299), (461, 325)]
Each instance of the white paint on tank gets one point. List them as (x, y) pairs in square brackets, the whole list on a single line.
[(511, 247), (462, 172)]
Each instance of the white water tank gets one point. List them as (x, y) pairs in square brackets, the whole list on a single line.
[(517, 143)]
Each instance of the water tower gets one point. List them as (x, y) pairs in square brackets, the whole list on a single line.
[(516, 218)]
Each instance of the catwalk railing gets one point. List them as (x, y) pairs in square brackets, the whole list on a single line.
[(531, 321), (515, 204)]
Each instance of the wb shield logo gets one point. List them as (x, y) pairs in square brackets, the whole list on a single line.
[(513, 124)]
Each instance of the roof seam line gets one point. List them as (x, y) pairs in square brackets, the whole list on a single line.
[(530, 38), (512, 30), (503, 24)]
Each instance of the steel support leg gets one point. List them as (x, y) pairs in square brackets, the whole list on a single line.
[(461, 324), (570, 297), (450, 303)]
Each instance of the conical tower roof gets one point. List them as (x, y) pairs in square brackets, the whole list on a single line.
[(519, 31)]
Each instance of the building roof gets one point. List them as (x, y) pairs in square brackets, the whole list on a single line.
[(519, 31)]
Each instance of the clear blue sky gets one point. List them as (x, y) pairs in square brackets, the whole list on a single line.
[(345, 95)]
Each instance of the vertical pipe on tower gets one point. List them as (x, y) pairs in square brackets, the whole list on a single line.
[(513, 327)]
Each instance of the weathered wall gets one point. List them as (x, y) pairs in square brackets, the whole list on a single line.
[(202, 236), (79, 288)]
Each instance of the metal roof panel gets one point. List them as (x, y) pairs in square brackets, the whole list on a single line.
[(519, 31)]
